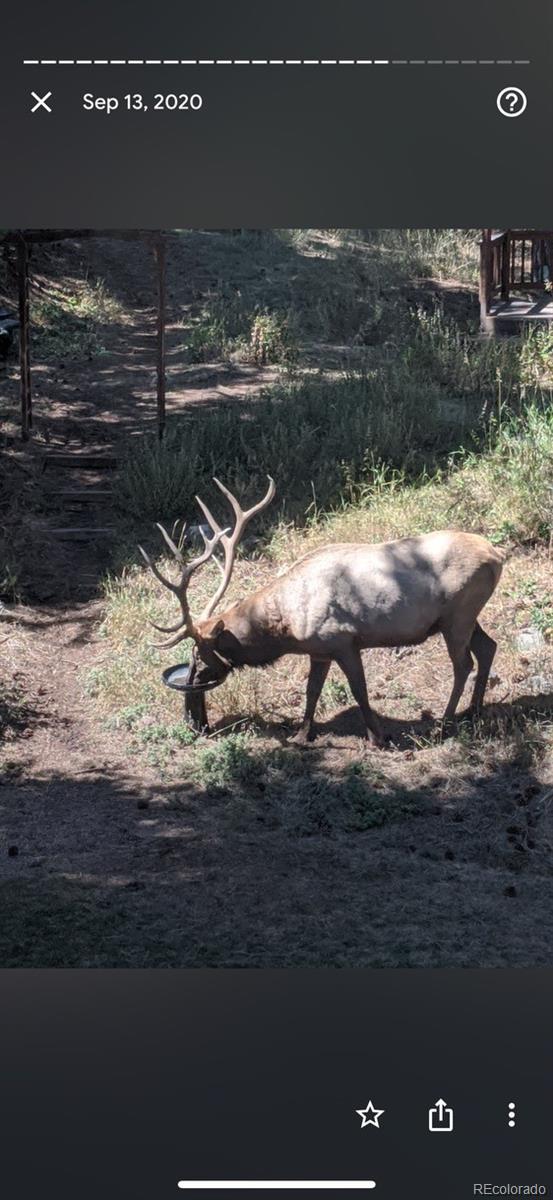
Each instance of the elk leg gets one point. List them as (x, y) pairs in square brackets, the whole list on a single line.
[(318, 672), (483, 647), (461, 659), (352, 666)]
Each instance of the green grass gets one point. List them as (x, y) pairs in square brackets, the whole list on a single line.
[(504, 491), (408, 407), (443, 254), (323, 284), (313, 438), (280, 789), (503, 487), (227, 328), (69, 323), (233, 760)]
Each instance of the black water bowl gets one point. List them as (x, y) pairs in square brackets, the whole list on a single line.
[(177, 677)]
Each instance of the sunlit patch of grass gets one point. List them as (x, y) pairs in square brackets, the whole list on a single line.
[(505, 493), (68, 322)]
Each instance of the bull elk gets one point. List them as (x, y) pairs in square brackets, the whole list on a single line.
[(340, 600)]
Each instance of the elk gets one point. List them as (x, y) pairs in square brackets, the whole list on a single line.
[(336, 602)]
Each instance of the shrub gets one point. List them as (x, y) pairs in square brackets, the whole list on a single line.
[(231, 760)]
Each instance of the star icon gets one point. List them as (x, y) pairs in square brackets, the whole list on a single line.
[(370, 1115)]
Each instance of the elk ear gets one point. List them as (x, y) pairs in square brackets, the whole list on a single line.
[(217, 629)]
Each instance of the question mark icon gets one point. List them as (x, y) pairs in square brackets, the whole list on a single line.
[(511, 102)]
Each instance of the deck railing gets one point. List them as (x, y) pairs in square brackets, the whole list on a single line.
[(514, 260), (520, 260)]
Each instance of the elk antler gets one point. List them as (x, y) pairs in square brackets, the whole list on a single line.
[(185, 627), (179, 589), (229, 544)]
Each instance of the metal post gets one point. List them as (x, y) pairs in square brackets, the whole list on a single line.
[(195, 712), (160, 258), (24, 350)]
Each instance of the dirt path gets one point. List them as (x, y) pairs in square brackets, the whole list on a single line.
[(56, 742), (83, 825)]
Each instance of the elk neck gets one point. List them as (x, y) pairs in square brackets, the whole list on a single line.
[(256, 633)]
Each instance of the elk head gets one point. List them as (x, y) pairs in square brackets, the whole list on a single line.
[(211, 660)]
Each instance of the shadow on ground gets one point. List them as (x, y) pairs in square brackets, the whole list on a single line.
[(285, 868)]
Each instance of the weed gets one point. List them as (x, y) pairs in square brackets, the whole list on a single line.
[(367, 809), (233, 760), (272, 339), (178, 734), (335, 694), (9, 583), (69, 324), (542, 615)]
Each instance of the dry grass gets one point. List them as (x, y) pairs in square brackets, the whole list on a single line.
[(129, 673)]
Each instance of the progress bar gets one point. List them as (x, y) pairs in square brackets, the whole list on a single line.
[(277, 1184), (276, 62)]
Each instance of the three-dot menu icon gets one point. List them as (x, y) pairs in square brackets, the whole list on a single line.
[(511, 1114)]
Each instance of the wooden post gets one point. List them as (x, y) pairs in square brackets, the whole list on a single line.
[(160, 258), (505, 265), (485, 281), (24, 350)]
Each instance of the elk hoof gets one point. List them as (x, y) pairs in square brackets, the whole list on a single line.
[(302, 737), (376, 741)]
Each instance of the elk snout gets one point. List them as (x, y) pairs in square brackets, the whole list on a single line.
[(207, 667)]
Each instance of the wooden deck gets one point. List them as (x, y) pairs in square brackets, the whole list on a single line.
[(516, 268), (517, 310)]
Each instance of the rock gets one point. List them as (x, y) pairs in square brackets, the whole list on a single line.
[(529, 641)]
